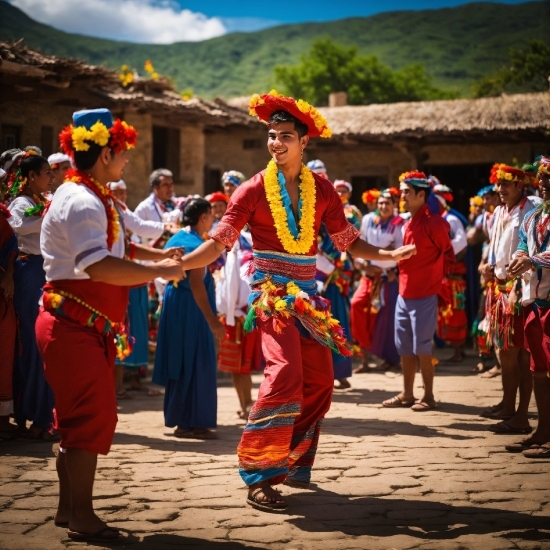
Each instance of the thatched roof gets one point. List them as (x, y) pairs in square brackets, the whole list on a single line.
[(507, 113), (28, 67)]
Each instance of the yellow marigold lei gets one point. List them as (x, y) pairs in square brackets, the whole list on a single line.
[(306, 238)]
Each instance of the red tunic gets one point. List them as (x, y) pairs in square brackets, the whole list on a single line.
[(248, 205), (420, 276)]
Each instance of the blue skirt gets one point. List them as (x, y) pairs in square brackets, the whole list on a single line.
[(138, 310), (185, 360), (339, 306), (32, 396)]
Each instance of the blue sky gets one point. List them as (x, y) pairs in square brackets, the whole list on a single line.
[(167, 21)]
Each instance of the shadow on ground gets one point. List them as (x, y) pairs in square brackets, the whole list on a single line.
[(422, 519), (355, 427), (164, 541)]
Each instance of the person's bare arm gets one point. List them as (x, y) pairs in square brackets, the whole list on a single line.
[(362, 249), (144, 252), (196, 282), (116, 271), (204, 255)]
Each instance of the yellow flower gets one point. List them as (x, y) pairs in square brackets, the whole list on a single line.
[(79, 135), (280, 305), (292, 288), (99, 134), (55, 300), (306, 238)]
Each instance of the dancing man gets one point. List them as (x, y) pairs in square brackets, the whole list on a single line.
[(284, 207), (84, 303)]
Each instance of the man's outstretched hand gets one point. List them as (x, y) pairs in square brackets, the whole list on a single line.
[(403, 252)]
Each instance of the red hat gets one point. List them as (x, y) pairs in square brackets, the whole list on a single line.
[(218, 196), (263, 106), (505, 172)]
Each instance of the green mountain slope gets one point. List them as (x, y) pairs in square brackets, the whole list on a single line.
[(456, 45)]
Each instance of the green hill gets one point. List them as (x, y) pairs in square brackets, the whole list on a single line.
[(456, 45)]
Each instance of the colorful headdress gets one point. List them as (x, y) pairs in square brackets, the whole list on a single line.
[(415, 178), (233, 176), (508, 173), (371, 195), (17, 182), (475, 202), (342, 183), (263, 106), (543, 164), (442, 190), (391, 193), (487, 189), (97, 126), (317, 166), (218, 196)]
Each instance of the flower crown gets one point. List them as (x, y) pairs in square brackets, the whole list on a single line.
[(17, 182), (370, 195), (391, 193), (543, 165), (263, 106), (416, 178), (120, 137), (508, 173)]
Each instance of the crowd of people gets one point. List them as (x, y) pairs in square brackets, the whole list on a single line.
[(278, 273)]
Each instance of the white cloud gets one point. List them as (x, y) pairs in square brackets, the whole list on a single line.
[(146, 21)]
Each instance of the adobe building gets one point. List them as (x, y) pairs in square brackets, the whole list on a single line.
[(39, 93), (458, 141)]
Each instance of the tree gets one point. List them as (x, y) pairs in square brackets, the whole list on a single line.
[(528, 69), (329, 67)]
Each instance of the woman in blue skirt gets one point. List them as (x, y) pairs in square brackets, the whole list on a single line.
[(32, 396), (185, 360)]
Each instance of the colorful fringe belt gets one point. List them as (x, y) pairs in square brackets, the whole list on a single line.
[(284, 286), (66, 304), (503, 301)]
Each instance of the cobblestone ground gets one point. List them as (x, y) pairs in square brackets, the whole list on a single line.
[(384, 478)]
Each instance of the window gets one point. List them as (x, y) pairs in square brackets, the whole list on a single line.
[(166, 149), (46, 141), (212, 180), (10, 137)]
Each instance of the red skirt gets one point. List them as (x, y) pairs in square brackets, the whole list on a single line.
[(79, 366)]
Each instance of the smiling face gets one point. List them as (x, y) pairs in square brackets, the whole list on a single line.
[(385, 207), (40, 182), (284, 144), (412, 199), (218, 209), (510, 192), (544, 186)]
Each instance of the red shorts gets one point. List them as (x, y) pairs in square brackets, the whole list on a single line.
[(79, 366), (537, 338), (240, 353), (518, 325)]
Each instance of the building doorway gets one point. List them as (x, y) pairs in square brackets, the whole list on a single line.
[(464, 179)]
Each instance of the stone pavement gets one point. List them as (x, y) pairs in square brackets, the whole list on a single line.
[(384, 479)]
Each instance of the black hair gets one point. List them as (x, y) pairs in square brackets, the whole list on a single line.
[(32, 163), (85, 160), (279, 117), (193, 210), (427, 191)]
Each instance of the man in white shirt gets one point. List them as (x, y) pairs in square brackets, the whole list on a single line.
[(505, 312), (84, 302)]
